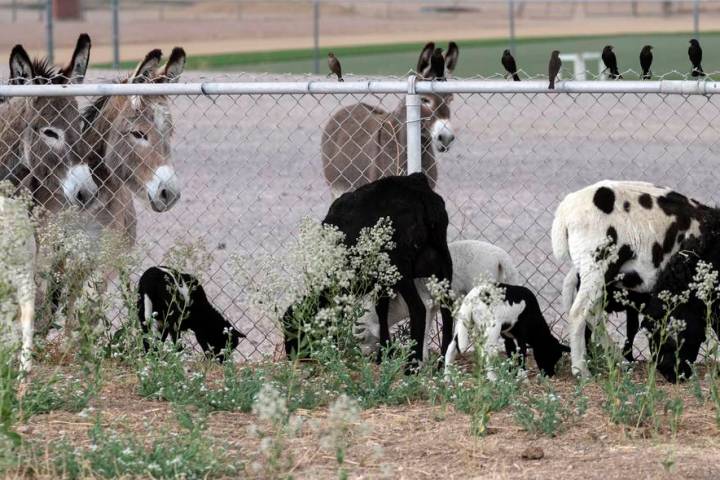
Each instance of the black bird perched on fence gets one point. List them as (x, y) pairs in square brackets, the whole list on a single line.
[(508, 61), (554, 68), (646, 58), (610, 61), (695, 54), (437, 64), (335, 67)]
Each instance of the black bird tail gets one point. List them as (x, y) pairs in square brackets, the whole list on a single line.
[(552, 84), (516, 77)]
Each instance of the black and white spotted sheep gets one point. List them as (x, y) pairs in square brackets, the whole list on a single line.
[(646, 223)]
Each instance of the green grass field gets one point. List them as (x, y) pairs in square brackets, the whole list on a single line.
[(478, 57)]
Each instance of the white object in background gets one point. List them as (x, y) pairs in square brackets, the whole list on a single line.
[(579, 61)]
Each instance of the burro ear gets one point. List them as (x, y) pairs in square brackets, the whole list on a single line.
[(451, 56), (145, 70), (74, 72), (171, 71), (21, 69), (423, 64)]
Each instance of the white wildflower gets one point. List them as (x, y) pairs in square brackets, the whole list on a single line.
[(269, 405), (705, 282)]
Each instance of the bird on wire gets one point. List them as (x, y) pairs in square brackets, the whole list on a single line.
[(508, 62), (335, 68), (554, 68), (646, 58), (695, 54), (437, 64), (610, 61)]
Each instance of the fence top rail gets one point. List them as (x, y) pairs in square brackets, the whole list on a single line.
[(682, 87)]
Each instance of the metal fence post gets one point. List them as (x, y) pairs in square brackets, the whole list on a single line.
[(116, 33), (412, 113), (316, 36), (49, 30), (511, 22)]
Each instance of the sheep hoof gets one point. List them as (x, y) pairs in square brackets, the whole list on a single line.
[(581, 372)]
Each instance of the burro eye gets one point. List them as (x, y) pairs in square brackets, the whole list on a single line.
[(139, 135), (50, 133)]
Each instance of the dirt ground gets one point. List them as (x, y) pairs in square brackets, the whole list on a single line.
[(212, 27), (421, 441)]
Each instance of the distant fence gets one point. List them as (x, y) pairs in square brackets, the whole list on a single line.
[(318, 14), (249, 163)]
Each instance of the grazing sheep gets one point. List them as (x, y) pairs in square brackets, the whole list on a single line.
[(517, 317), (174, 302), (17, 267), (420, 222), (472, 260), (644, 223), (571, 284), (676, 354)]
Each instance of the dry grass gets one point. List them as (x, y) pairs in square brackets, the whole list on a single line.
[(421, 440)]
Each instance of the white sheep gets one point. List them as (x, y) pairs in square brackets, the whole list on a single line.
[(472, 260), (17, 267)]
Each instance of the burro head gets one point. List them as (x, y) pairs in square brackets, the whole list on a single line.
[(48, 130)]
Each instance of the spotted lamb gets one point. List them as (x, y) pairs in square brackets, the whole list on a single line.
[(645, 223)]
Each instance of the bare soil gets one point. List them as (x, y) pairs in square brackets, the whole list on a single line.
[(419, 441)]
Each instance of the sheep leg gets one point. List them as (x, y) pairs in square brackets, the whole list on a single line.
[(144, 310), (27, 312), (447, 328), (438, 262), (633, 325), (381, 309), (590, 291), (25, 287), (492, 338), (523, 354), (429, 319), (460, 340), (417, 310), (451, 354), (510, 348)]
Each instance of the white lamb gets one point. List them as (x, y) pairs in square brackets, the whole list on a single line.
[(472, 260), (17, 267)]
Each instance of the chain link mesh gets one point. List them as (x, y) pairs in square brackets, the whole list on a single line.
[(250, 169)]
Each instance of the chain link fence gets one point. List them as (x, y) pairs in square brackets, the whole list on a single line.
[(249, 164)]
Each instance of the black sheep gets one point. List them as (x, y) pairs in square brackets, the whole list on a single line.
[(420, 222), (174, 302), (675, 360)]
